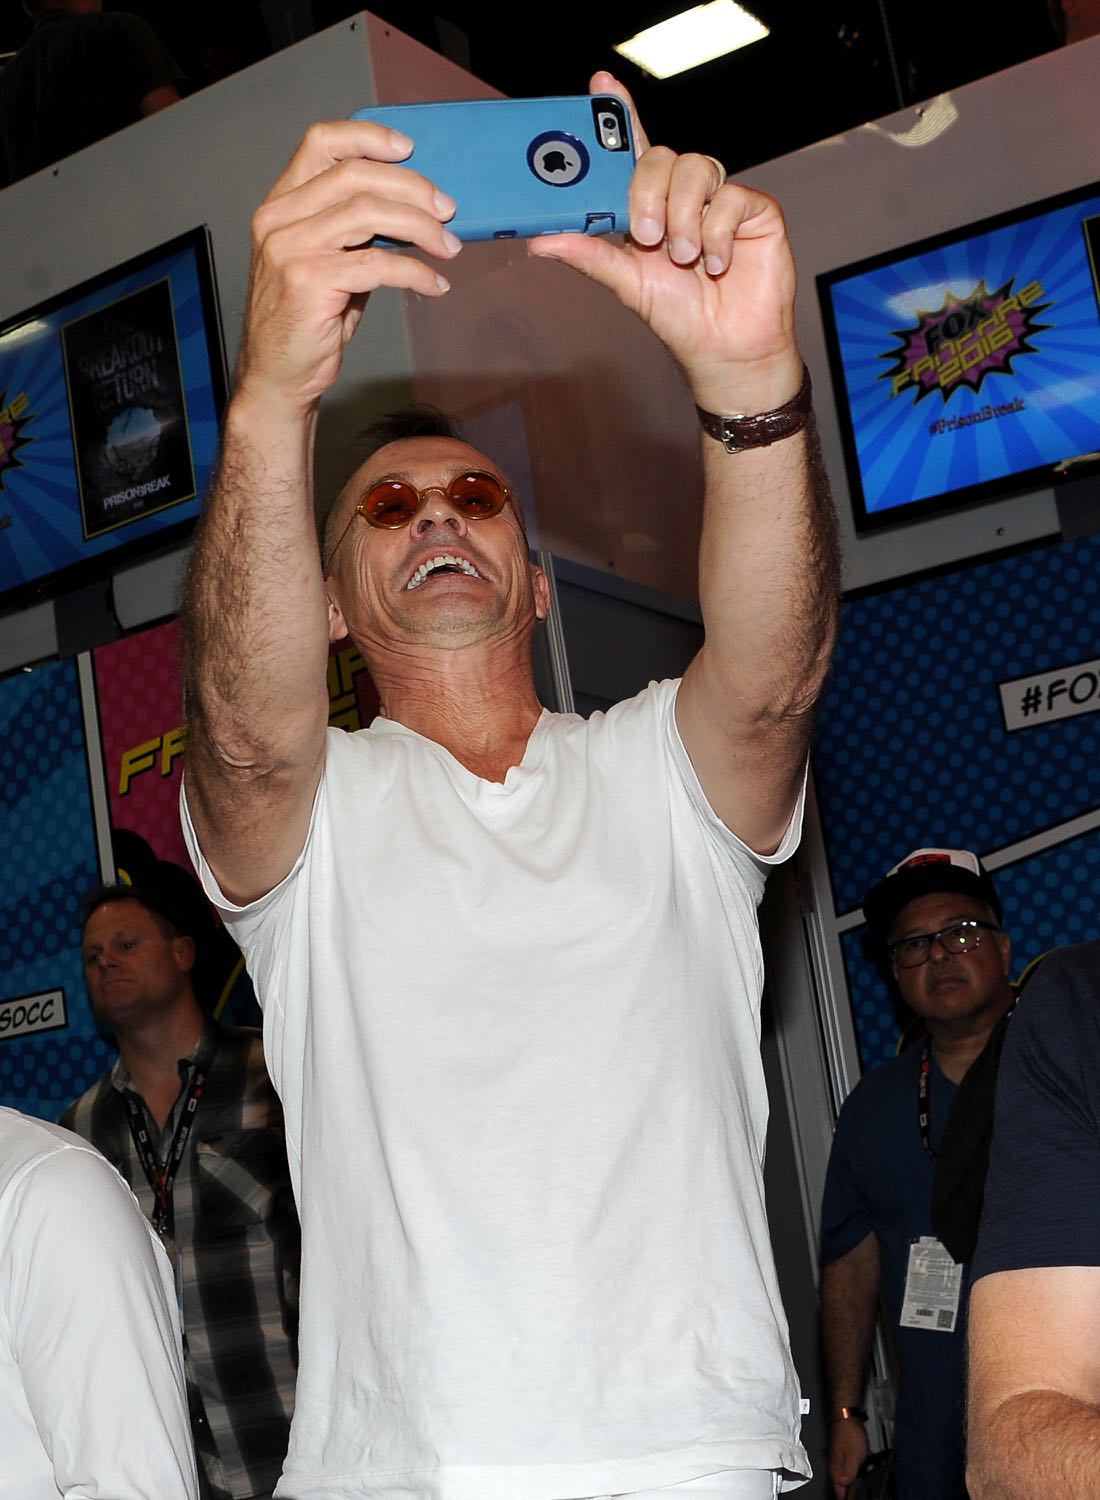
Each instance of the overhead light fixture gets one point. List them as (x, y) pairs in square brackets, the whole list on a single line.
[(695, 36)]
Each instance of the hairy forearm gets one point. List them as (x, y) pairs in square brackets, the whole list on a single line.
[(1035, 1443), (849, 1302), (768, 576), (255, 617)]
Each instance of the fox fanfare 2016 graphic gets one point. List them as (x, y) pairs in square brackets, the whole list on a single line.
[(965, 340)]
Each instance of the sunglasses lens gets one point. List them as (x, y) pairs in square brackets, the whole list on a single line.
[(477, 495), (390, 504)]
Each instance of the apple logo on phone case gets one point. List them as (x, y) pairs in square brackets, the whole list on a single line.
[(558, 159)]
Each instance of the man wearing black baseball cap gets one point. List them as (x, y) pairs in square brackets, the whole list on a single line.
[(929, 872), (938, 917)]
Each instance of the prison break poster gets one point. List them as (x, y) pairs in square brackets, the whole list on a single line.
[(128, 412)]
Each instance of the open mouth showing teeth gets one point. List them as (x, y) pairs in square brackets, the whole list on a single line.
[(444, 563)]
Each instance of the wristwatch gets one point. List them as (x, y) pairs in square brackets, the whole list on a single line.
[(852, 1414)]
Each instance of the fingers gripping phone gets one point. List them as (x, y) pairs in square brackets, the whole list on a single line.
[(522, 167)]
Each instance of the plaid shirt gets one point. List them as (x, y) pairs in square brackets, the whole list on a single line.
[(234, 1246)]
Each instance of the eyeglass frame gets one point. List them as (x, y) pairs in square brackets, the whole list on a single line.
[(507, 497), (937, 937)]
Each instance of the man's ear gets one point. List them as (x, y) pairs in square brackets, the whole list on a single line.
[(541, 586), (1006, 952), (184, 950), (337, 629)]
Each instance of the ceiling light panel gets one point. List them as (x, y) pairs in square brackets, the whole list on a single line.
[(695, 36)]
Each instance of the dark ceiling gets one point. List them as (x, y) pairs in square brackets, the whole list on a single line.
[(826, 66)]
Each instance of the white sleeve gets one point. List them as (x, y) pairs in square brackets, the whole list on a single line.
[(737, 848), (95, 1334)]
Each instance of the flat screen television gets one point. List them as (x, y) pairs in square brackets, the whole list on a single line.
[(967, 366), (110, 397)]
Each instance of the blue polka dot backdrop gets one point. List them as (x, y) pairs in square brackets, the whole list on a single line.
[(964, 710), (49, 1048)]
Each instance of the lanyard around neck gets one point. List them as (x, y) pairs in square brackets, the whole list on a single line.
[(924, 1097), (162, 1178)]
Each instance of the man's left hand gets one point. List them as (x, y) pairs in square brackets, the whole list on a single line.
[(707, 265)]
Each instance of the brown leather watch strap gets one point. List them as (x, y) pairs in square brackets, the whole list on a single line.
[(736, 433)]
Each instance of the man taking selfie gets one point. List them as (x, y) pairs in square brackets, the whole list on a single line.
[(509, 959)]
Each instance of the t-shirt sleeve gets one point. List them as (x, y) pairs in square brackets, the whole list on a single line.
[(244, 921), (1044, 1172), (258, 927), (845, 1211), (757, 865), (94, 1332)]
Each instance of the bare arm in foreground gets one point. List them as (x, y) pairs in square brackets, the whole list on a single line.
[(1034, 1404)]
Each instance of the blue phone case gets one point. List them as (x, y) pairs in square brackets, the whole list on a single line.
[(522, 167)]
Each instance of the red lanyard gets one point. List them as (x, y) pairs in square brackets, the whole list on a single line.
[(924, 1098)]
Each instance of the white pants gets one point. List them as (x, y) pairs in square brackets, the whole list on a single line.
[(728, 1484)]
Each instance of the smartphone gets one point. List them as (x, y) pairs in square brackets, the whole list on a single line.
[(522, 167)]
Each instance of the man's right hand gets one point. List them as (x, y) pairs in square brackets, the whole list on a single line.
[(314, 264), (848, 1447)]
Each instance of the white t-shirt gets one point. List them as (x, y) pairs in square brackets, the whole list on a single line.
[(91, 1382), (515, 1030)]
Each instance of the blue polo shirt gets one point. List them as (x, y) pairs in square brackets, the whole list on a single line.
[(879, 1181)]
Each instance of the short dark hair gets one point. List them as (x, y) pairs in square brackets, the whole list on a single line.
[(416, 420), (167, 917)]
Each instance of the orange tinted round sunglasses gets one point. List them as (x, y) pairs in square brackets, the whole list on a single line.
[(392, 503)]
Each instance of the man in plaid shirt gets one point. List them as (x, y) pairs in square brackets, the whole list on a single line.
[(190, 1119)]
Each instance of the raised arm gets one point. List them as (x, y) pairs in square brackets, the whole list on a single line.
[(709, 268), (256, 616)]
